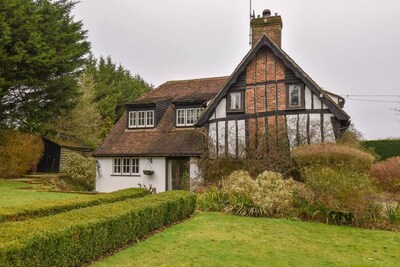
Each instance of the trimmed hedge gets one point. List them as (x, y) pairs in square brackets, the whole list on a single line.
[(49, 208), (78, 236), (332, 156), (384, 148)]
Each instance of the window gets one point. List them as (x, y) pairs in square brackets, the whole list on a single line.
[(141, 119), (149, 118), (295, 96), (235, 101), (117, 166), (135, 166), (132, 119), (125, 166), (180, 118), (188, 116)]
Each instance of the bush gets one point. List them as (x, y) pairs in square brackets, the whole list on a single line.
[(340, 195), (386, 174), (393, 213), (268, 195), (19, 152), (75, 237), (387, 148), (332, 156), (50, 208), (80, 171)]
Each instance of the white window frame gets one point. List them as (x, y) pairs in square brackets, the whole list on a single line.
[(132, 120), (190, 116), (187, 116), (117, 163), (135, 166), (125, 166), (150, 116), (141, 118), (179, 116)]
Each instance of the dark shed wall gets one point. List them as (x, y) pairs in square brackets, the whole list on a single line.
[(50, 161)]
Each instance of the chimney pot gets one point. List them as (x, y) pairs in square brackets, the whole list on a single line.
[(266, 13)]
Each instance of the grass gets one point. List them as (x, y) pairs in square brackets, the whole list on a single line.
[(12, 194), (215, 239)]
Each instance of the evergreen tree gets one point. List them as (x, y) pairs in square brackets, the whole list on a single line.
[(114, 86), (42, 50), (83, 124)]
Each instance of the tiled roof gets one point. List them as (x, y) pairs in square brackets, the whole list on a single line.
[(164, 139), (185, 90)]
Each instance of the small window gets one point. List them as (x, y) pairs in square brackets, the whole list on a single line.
[(180, 117), (117, 166), (295, 97), (235, 101), (132, 119), (190, 119), (135, 166), (126, 166), (149, 118), (141, 119)]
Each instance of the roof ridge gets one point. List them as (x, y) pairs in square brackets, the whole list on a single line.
[(196, 79)]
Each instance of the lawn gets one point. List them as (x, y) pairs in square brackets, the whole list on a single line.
[(215, 239), (12, 194)]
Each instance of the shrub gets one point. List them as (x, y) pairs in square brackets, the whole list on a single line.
[(214, 199), (332, 156), (268, 195), (79, 236), (387, 148), (80, 171), (393, 213), (50, 208), (340, 195), (386, 174), (19, 152)]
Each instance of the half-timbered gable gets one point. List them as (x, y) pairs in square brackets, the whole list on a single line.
[(268, 92)]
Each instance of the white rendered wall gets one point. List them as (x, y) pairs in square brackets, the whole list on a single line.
[(232, 138), (308, 98), (241, 138), (106, 182), (220, 111), (221, 137)]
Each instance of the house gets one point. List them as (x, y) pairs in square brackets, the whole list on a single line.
[(55, 153), (162, 134)]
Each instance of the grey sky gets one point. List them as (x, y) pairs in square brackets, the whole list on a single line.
[(348, 47)]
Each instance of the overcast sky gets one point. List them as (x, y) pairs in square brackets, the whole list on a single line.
[(349, 47)]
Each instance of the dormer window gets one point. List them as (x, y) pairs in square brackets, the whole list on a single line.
[(187, 116), (295, 96), (141, 119), (235, 102)]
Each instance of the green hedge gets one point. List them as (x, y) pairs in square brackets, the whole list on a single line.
[(55, 207), (79, 236), (384, 148)]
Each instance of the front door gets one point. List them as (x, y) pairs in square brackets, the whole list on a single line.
[(178, 174)]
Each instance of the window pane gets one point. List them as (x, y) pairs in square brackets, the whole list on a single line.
[(180, 117), (117, 166), (126, 166), (135, 166), (236, 100), (141, 118), (150, 118), (132, 119), (198, 112), (189, 116), (294, 95)]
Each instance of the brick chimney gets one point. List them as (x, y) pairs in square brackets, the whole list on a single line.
[(268, 25)]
